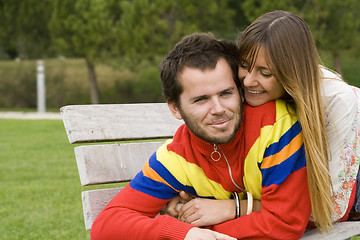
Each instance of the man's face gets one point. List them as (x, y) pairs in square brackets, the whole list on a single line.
[(210, 103)]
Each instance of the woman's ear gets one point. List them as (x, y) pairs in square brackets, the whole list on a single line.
[(174, 110)]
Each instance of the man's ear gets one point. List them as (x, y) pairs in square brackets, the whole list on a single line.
[(174, 110)]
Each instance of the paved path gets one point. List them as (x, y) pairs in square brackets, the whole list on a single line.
[(29, 115)]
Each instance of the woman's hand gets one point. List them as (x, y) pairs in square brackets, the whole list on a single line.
[(205, 212)]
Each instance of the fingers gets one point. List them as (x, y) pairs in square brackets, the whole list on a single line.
[(185, 197), (189, 213), (186, 210), (192, 218), (179, 206), (171, 207)]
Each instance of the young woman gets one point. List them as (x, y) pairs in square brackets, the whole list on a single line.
[(278, 59)]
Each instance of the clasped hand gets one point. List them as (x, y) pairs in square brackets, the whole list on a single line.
[(205, 212)]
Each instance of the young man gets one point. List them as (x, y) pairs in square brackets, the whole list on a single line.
[(206, 157)]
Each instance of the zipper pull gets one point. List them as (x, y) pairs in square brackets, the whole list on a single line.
[(215, 155)]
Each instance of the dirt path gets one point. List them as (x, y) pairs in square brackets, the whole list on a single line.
[(32, 115)]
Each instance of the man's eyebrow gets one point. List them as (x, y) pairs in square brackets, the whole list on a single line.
[(228, 89)]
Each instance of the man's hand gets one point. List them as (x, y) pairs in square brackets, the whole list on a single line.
[(206, 234), (172, 208)]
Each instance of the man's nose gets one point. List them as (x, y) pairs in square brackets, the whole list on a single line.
[(217, 106)]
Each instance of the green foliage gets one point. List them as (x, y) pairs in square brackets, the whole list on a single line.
[(150, 28), (131, 87), (18, 84), (24, 31), (66, 83), (255, 8), (334, 23), (140, 31), (81, 28)]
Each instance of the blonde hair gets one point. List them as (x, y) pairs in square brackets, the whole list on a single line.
[(294, 62)]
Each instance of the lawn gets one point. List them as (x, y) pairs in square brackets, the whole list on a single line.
[(40, 196)]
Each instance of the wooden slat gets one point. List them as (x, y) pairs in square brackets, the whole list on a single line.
[(342, 230), (110, 163), (94, 201), (114, 122)]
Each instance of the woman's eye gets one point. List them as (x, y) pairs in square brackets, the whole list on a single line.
[(243, 65), (267, 75)]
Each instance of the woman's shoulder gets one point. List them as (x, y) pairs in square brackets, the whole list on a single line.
[(334, 86), (341, 100)]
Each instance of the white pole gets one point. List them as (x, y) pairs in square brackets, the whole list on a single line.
[(40, 80)]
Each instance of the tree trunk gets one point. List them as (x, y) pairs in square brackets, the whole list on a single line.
[(94, 89), (337, 62)]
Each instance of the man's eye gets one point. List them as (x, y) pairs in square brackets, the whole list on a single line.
[(199, 99)]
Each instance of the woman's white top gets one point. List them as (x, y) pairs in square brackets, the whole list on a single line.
[(342, 119)]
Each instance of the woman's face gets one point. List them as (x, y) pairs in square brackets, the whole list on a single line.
[(260, 84)]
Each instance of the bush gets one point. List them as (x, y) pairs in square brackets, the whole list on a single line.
[(119, 82), (18, 84), (67, 83)]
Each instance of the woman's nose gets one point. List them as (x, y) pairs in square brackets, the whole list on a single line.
[(250, 79)]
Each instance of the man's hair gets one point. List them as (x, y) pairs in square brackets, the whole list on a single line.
[(198, 50)]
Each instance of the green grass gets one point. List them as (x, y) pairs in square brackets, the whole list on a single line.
[(40, 191)]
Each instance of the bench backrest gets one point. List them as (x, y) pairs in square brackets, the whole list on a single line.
[(114, 162), (119, 162)]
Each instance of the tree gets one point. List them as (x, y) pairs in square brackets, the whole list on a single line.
[(83, 29), (134, 30), (335, 24), (24, 31), (150, 28)]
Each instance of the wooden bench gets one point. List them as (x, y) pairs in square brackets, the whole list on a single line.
[(125, 127)]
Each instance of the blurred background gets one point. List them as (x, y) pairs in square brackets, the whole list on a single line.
[(108, 51)]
